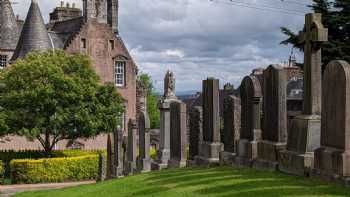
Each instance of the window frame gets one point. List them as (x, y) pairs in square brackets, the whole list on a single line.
[(3, 61), (119, 71)]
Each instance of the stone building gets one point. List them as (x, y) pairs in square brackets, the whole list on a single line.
[(92, 31)]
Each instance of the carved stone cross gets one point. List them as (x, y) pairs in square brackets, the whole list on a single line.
[(313, 36)]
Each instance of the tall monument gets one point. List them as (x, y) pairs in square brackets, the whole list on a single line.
[(164, 107), (304, 134)]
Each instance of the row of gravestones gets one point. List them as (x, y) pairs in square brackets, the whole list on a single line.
[(315, 143), (310, 146), (134, 158)]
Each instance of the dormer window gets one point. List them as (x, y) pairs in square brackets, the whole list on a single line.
[(119, 73), (3, 61)]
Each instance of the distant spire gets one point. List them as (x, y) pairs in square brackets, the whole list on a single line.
[(9, 30), (34, 36)]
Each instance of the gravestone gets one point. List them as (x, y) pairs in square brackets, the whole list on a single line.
[(274, 133), (164, 107), (101, 168), (332, 159), (178, 138), (211, 145), (110, 159), (132, 148), (144, 159), (118, 152), (230, 134), (196, 133), (304, 131), (250, 133)]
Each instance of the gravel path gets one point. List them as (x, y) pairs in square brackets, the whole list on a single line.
[(8, 190)]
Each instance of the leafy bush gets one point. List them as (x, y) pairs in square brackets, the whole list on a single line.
[(153, 153), (54, 169)]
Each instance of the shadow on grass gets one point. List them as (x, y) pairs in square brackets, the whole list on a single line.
[(226, 182)]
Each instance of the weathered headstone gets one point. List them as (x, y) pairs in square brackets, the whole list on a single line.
[(332, 159), (143, 121), (211, 145), (118, 152), (274, 134), (230, 134), (110, 158), (164, 107), (132, 148), (178, 138), (304, 131), (250, 135), (101, 168), (144, 159), (196, 132)]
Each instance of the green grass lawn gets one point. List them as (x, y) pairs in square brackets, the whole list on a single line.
[(215, 182)]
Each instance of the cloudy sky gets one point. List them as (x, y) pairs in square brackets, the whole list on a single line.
[(201, 38)]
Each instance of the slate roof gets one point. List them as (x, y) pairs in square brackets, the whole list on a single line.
[(34, 36), (62, 32), (9, 30)]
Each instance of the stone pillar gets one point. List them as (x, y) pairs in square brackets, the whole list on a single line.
[(178, 138), (250, 135), (132, 148), (274, 134), (164, 107), (304, 133), (211, 145), (101, 168), (110, 158), (118, 152), (232, 115), (196, 132), (332, 159), (164, 141), (144, 159)]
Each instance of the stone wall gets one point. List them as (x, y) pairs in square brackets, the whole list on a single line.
[(98, 46)]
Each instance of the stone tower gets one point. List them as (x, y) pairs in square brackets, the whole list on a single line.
[(9, 32), (112, 15), (34, 35), (95, 10), (102, 11)]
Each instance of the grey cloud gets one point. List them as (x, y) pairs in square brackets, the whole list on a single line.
[(198, 38)]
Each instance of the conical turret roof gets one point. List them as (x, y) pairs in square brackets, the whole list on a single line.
[(34, 36), (9, 30)]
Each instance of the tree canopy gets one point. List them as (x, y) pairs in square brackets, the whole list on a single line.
[(152, 100), (54, 96), (336, 17)]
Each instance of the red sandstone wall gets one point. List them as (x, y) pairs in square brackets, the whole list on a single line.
[(98, 38)]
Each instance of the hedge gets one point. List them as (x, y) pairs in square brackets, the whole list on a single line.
[(7, 155), (2, 171), (54, 169)]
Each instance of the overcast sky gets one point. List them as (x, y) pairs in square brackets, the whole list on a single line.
[(200, 38)]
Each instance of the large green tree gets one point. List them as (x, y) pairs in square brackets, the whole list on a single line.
[(336, 17), (54, 96), (152, 100)]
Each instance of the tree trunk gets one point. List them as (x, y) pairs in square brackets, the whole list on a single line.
[(47, 146)]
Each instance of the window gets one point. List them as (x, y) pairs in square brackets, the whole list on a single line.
[(3, 61), (83, 43), (119, 73), (111, 44)]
